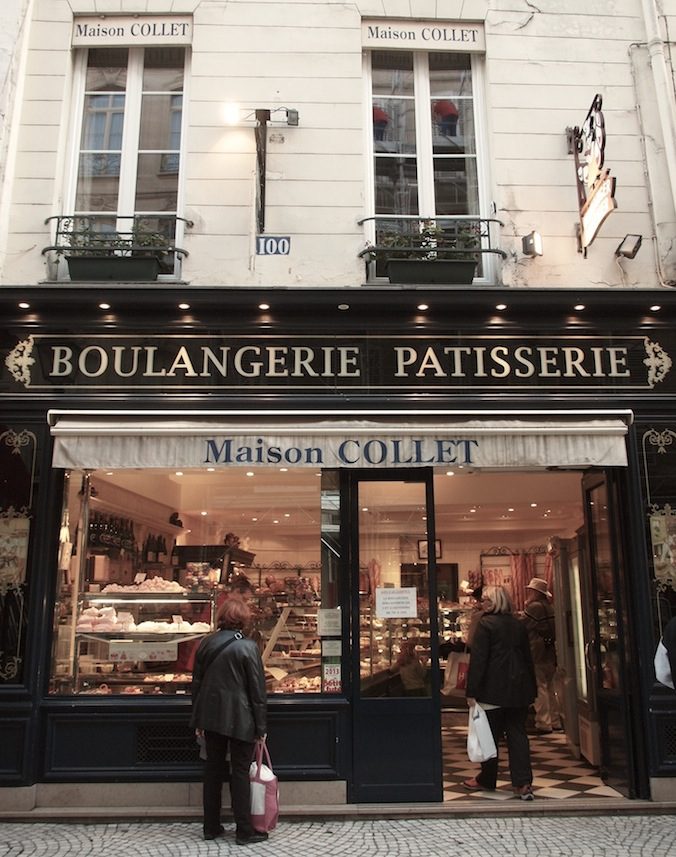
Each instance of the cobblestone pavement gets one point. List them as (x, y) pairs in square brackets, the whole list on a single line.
[(580, 836)]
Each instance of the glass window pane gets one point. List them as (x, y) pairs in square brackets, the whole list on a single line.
[(396, 185), (392, 73), (157, 118), (394, 626), (455, 186), (156, 190), (18, 466), (116, 636), (106, 70), (394, 125), (450, 75), (103, 122), (98, 182), (163, 69)]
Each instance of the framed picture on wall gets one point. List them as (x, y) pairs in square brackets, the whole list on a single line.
[(422, 548)]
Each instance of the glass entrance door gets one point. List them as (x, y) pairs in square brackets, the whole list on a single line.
[(606, 648), (397, 742)]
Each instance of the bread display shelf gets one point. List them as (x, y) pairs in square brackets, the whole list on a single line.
[(136, 636)]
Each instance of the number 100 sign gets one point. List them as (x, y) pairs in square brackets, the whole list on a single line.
[(273, 245)]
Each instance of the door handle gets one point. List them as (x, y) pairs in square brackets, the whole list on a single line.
[(587, 648)]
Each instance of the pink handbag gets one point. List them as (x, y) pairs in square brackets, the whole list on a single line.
[(264, 790)]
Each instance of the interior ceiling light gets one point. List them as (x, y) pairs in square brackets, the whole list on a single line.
[(653, 308), (184, 306), (104, 306), (500, 307), (263, 306), (24, 305), (579, 307), (423, 307), (343, 306)]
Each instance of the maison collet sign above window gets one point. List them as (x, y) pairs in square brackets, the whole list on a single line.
[(329, 364)]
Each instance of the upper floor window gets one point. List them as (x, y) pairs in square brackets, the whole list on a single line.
[(425, 151), (424, 138), (129, 151)]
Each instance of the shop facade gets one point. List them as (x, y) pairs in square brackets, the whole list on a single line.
[(362, 420)]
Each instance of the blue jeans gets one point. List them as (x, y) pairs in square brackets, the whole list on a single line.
[(215, 772), (510, 723)]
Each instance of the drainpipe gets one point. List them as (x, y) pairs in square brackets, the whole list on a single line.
[(664, 89)]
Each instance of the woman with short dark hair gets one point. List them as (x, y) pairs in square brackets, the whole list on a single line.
[(501, 679), (229, 710)]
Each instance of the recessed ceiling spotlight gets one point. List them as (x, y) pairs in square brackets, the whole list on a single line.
[(287, 514), (254, 519), (450, 473), (423, 307), (364, 508), (104, 306), (283, 469), (533, 505), (343, 306), (249, 473), (204, 514), (653, 308), (210, 469), (511, 509), (109, 473), (184, 306), (24, 305), (579, 307), (179, 473), (275, 522), (500, 307), (263, 306)]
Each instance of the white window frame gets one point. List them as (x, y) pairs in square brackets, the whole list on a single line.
[(425, 159), (130, 139)]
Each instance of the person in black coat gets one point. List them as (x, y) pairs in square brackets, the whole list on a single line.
[(229, 708), (501, 679)]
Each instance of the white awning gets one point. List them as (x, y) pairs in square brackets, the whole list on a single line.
[(439, 439)]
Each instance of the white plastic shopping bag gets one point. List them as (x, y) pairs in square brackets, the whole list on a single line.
[(480, 743), (662, 666), (264, 791)]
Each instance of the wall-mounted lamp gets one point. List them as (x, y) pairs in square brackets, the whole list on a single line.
[(234, 114), (531, 244), (629, 246)]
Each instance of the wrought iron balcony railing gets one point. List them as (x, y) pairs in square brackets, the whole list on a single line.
[(427, 240), (110, 237)]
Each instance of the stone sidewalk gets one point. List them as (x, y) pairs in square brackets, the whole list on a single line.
[(577, 836)]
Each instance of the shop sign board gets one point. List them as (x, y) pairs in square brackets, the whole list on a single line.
[(311, 364), (120, 30), (405, 34), (595, 186)]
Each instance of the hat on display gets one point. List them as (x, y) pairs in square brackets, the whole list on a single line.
[(539, 585)]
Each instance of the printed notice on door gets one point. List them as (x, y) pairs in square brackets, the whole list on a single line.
[(397, 603)]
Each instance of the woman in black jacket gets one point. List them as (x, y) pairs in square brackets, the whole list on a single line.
[(229, 708), (501, 679)]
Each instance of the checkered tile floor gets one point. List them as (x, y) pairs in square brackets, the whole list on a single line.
[(556, 772)]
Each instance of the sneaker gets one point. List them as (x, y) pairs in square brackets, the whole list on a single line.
[(250, 838), (524, 792)]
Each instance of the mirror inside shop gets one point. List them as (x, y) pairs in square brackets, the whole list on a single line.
[(147, 556)]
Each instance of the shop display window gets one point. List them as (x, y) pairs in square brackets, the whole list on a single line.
[(146, 557)]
